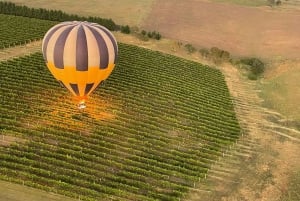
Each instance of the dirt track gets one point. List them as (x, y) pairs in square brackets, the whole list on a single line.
[(262, 32), (17, 51)]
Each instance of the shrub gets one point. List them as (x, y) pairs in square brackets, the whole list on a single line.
[(252, 76), (125, 29), (153, 34), (157, 36), (254, 66), (257, 67), (225, 55), (215, 54), (278, 3), (204, 52), (149, 34), (274, 2), (219, 53), (143, 32), (179, 43), (190, 48)]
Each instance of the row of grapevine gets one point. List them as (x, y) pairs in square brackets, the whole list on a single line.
[(21, 30)]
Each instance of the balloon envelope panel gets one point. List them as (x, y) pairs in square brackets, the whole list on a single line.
[(80, 55)]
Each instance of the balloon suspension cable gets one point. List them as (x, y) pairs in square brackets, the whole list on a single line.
[(81, 105)]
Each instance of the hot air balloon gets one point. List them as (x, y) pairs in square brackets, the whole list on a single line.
[(80, 55)]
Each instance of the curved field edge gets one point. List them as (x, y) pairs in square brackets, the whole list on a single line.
[(151, 132), (15, 192)]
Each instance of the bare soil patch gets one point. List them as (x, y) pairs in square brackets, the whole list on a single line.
[(16, 51), (7, 140), (241, 30)]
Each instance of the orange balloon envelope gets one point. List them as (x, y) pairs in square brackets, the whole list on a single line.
[(80, 55)]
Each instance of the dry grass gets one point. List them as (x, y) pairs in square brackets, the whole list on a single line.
[(130, 12), (285, 4), (261, 32), (16, 192), (281, 88), (17, 51), (245, 2), (7, 140)]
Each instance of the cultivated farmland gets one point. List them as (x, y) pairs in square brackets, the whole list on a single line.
[(17, 30), (151, 132), (148, 138)]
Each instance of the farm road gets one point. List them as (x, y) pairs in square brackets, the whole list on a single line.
[(9, 53)]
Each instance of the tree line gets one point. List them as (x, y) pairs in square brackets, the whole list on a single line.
[(56, 15)]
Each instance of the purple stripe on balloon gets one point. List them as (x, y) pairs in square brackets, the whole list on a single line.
[(81, 50), (103, 51), (112, 39), (88, 88), (47, 38), (75, 88), (59, 48)]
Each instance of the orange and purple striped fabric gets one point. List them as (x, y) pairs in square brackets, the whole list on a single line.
[(71, 48)]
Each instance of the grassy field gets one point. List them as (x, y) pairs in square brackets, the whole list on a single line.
[(282, 94), (147, 134), (293, 193), (123, 12), (280, 88), (16, 192)]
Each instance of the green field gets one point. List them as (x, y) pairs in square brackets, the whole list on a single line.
[(16, 30), (151, 132)]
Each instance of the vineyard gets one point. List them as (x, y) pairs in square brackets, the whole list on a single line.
[(17, 30), (151, 132)]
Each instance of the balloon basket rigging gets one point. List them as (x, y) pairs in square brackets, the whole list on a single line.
[(81, 105)]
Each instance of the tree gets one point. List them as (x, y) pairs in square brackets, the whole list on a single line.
[(274, 2), (143, 32), (125, 29), (149, 34), (190, 48), (157, 36)]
